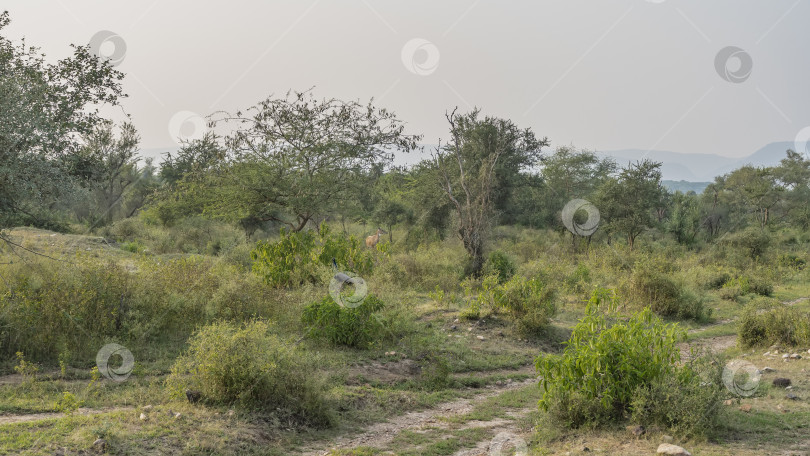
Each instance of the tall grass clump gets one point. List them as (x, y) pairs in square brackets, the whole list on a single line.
[(251, 366), (768, 322)]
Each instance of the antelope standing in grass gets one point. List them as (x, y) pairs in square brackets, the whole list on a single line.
[(372, 240)]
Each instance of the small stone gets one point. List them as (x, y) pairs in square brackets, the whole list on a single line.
[(767, 370), (795, 356), (230, 412), (672, 450), (393, 353), (479, 337), (781, 382), (789, 387), (453, 328), (177, 415), (100, 445), (636, 430), (147, 408), (666, 438), (808, 351), (469, 329), (455, 321), (728, 402), (142, 417), (745, 408), (585, 449), (766, 353), (791, 397), (785, 356)]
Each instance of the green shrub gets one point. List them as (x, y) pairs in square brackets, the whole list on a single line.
[(251, 366), (753, 241), (768, 322), (295, 258), (530, 302), (501, 265), (604, 362), (352, 327), (133, 246), (791, 261), (664, 295), (688, 402)]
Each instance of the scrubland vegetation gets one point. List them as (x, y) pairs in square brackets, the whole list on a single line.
[(225, 272)]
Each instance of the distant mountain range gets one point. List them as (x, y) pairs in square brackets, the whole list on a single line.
[(679, 171), (700, 167)]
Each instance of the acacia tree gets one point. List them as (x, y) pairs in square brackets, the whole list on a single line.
[(467, 172), (44, 109), (294, 158), (627, 203), (111, 166)]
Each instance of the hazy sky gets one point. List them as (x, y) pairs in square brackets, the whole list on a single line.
[(599, 75)]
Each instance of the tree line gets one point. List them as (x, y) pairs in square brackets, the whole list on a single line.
[(296, 160)]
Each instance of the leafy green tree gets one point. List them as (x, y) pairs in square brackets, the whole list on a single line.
[(627, 203), (111, 165), (755, 191), (685, 219), (44, 109), (467, 172), (793, 174), (294, 158)]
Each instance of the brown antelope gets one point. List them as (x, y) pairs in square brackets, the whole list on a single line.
[(372, 240)]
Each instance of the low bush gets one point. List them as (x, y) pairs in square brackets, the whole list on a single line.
[(605, 361), (530, 302), (356, 327), (767, 322), (665, 295), (297, 256), (688, 402), (501, 265), (251, 366)]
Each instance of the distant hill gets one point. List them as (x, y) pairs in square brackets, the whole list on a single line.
[(685, 186), (678, 166)]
